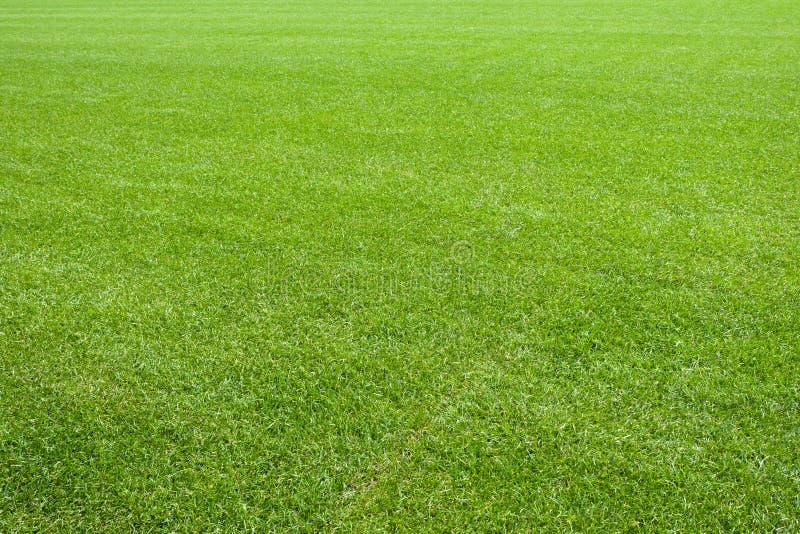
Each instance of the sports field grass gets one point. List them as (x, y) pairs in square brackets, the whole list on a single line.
[(401, 265)]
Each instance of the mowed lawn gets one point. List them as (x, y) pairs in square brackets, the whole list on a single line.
[(400, 265)]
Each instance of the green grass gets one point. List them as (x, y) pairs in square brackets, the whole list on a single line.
[(408, 265)]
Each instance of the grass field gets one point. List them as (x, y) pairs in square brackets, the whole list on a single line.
[(403, 266)]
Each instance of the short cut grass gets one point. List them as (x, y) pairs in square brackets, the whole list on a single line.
[(399, 265)]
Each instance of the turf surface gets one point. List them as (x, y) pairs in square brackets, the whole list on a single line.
[(400, 265)]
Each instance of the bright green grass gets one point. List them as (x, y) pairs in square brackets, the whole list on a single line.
[(400, 265)]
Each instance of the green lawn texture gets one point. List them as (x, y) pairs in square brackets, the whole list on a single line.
[(408, 266)]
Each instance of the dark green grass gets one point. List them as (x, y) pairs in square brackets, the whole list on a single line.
[(400, 265)]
